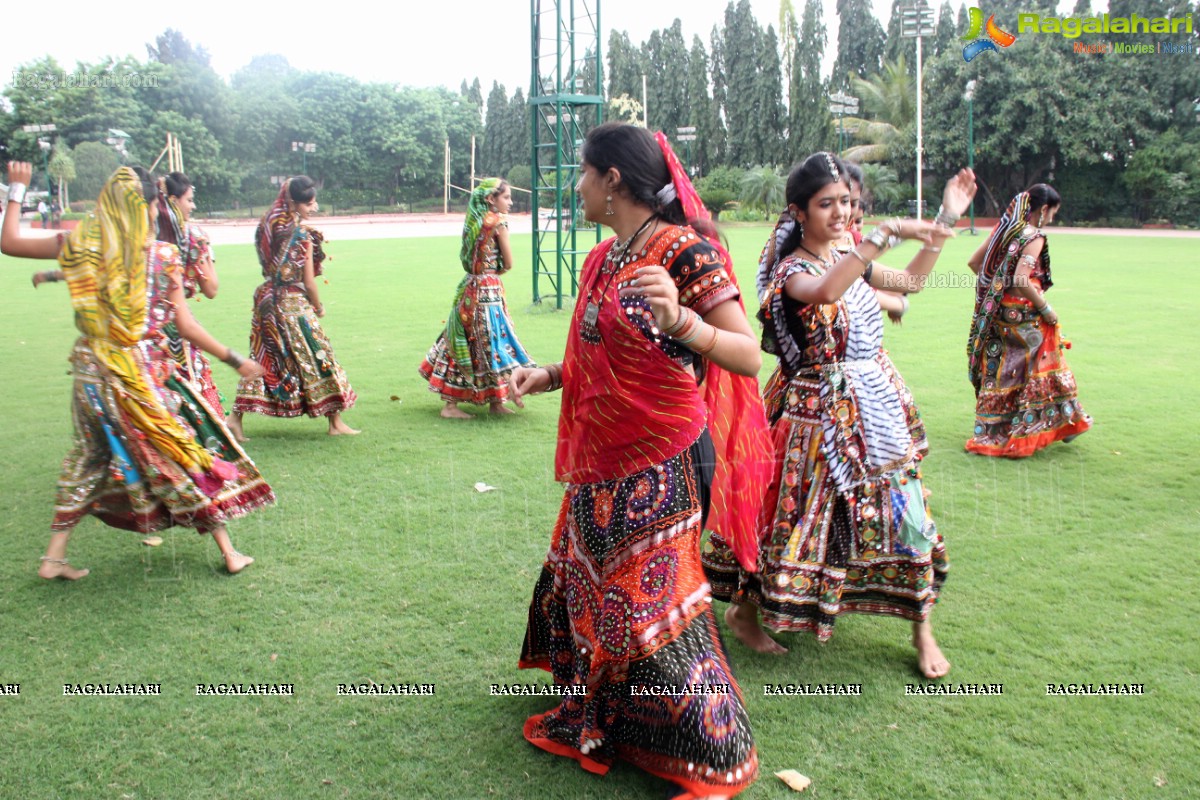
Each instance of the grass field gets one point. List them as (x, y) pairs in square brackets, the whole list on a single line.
[(381, 562)]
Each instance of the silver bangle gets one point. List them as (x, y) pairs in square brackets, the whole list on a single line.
[(16, 192), (946, 218), (878, 237), (233, 359)]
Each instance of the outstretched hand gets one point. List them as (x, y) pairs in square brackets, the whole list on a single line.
[(959, 191)]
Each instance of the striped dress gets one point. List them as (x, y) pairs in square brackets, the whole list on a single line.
[(845, 527)]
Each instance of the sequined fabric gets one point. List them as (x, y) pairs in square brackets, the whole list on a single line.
[(477, 351), (845, 526)]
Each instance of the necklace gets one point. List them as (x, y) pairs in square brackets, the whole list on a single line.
[(588, 329), (824, 262)]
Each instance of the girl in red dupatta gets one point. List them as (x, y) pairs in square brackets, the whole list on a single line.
[(659, 405), (1025, 395), (301, 374), (148, 453)]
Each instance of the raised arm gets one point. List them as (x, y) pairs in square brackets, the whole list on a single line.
[(12, 241)]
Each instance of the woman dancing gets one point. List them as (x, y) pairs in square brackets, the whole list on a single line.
[(148, 452), (1025, 395), (621, 612), (176, 202), (301, 375), (844, 526), (472, 358)]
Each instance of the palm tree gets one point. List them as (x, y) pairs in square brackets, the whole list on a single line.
[(879, 183), (889, 100), (763, 188)]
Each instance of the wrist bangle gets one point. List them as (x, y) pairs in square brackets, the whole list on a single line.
[(703, 351), (878, 237), (680, 322), (904, 304), (946, 218), (866, 276), (233, 359), (16, 192), (555, 372), (929, 249)]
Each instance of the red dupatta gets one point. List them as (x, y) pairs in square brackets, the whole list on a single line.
[(632, 411)]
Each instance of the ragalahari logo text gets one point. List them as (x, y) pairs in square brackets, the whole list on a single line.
[(994, 36)]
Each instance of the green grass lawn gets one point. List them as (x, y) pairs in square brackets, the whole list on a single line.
[(381, 562)]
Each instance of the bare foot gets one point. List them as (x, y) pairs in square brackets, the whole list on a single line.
[(454, 412), (53, 568), (235, 562), (500, 408), (235, 427), (742, 619), (340, 428), (930, 660)]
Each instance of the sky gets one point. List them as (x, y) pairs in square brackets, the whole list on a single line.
[(409, 44)]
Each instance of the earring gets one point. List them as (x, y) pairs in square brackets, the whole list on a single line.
[(1042, 217), (608, 209)]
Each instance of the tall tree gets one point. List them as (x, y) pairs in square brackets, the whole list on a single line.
[(772, 116), (860, 42), (808, 109), (493, 157), (742, 39), (720, 93), (704, 115)]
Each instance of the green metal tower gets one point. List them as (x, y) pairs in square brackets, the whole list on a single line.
[(565, 101)]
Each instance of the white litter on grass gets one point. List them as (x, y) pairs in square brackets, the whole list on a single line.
[(483, 487)]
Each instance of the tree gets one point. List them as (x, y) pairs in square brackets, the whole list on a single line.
[(704, 114), (493, 152), (719, 188), (889, 107), (62, 170), (762, 188), (808, 112), (742, 114), (772, 116), (94, 163), (860, 42)]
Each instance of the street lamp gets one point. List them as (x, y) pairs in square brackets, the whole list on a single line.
[(687, 135), (304, 148), (969, 96), (916, 22), (842, 104)]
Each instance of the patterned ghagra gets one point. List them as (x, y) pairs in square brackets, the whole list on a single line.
[(621, 609), (301, 374), (478, 349), (845, 526), (1025, 394), (127, 478)]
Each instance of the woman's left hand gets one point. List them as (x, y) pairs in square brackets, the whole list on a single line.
[(959, 191), (657, 286)]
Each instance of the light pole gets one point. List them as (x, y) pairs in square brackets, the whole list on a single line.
[(916, 22), (687, 135), (304, 149), (842, 104), (969, 96)]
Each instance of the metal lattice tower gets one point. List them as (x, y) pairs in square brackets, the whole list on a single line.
[(565, 101)]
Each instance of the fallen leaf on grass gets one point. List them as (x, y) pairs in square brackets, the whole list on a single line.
[(326, 782), (1116, 452), (152, 541), (274, 656), (1160, 781), (483, 487), (395, 398), (894, 726), (794, 780)]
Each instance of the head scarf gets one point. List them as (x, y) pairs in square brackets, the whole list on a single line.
[(736, 419), (104, 261), (170, 219), (995, 275), (474, 228), (276, 231)]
